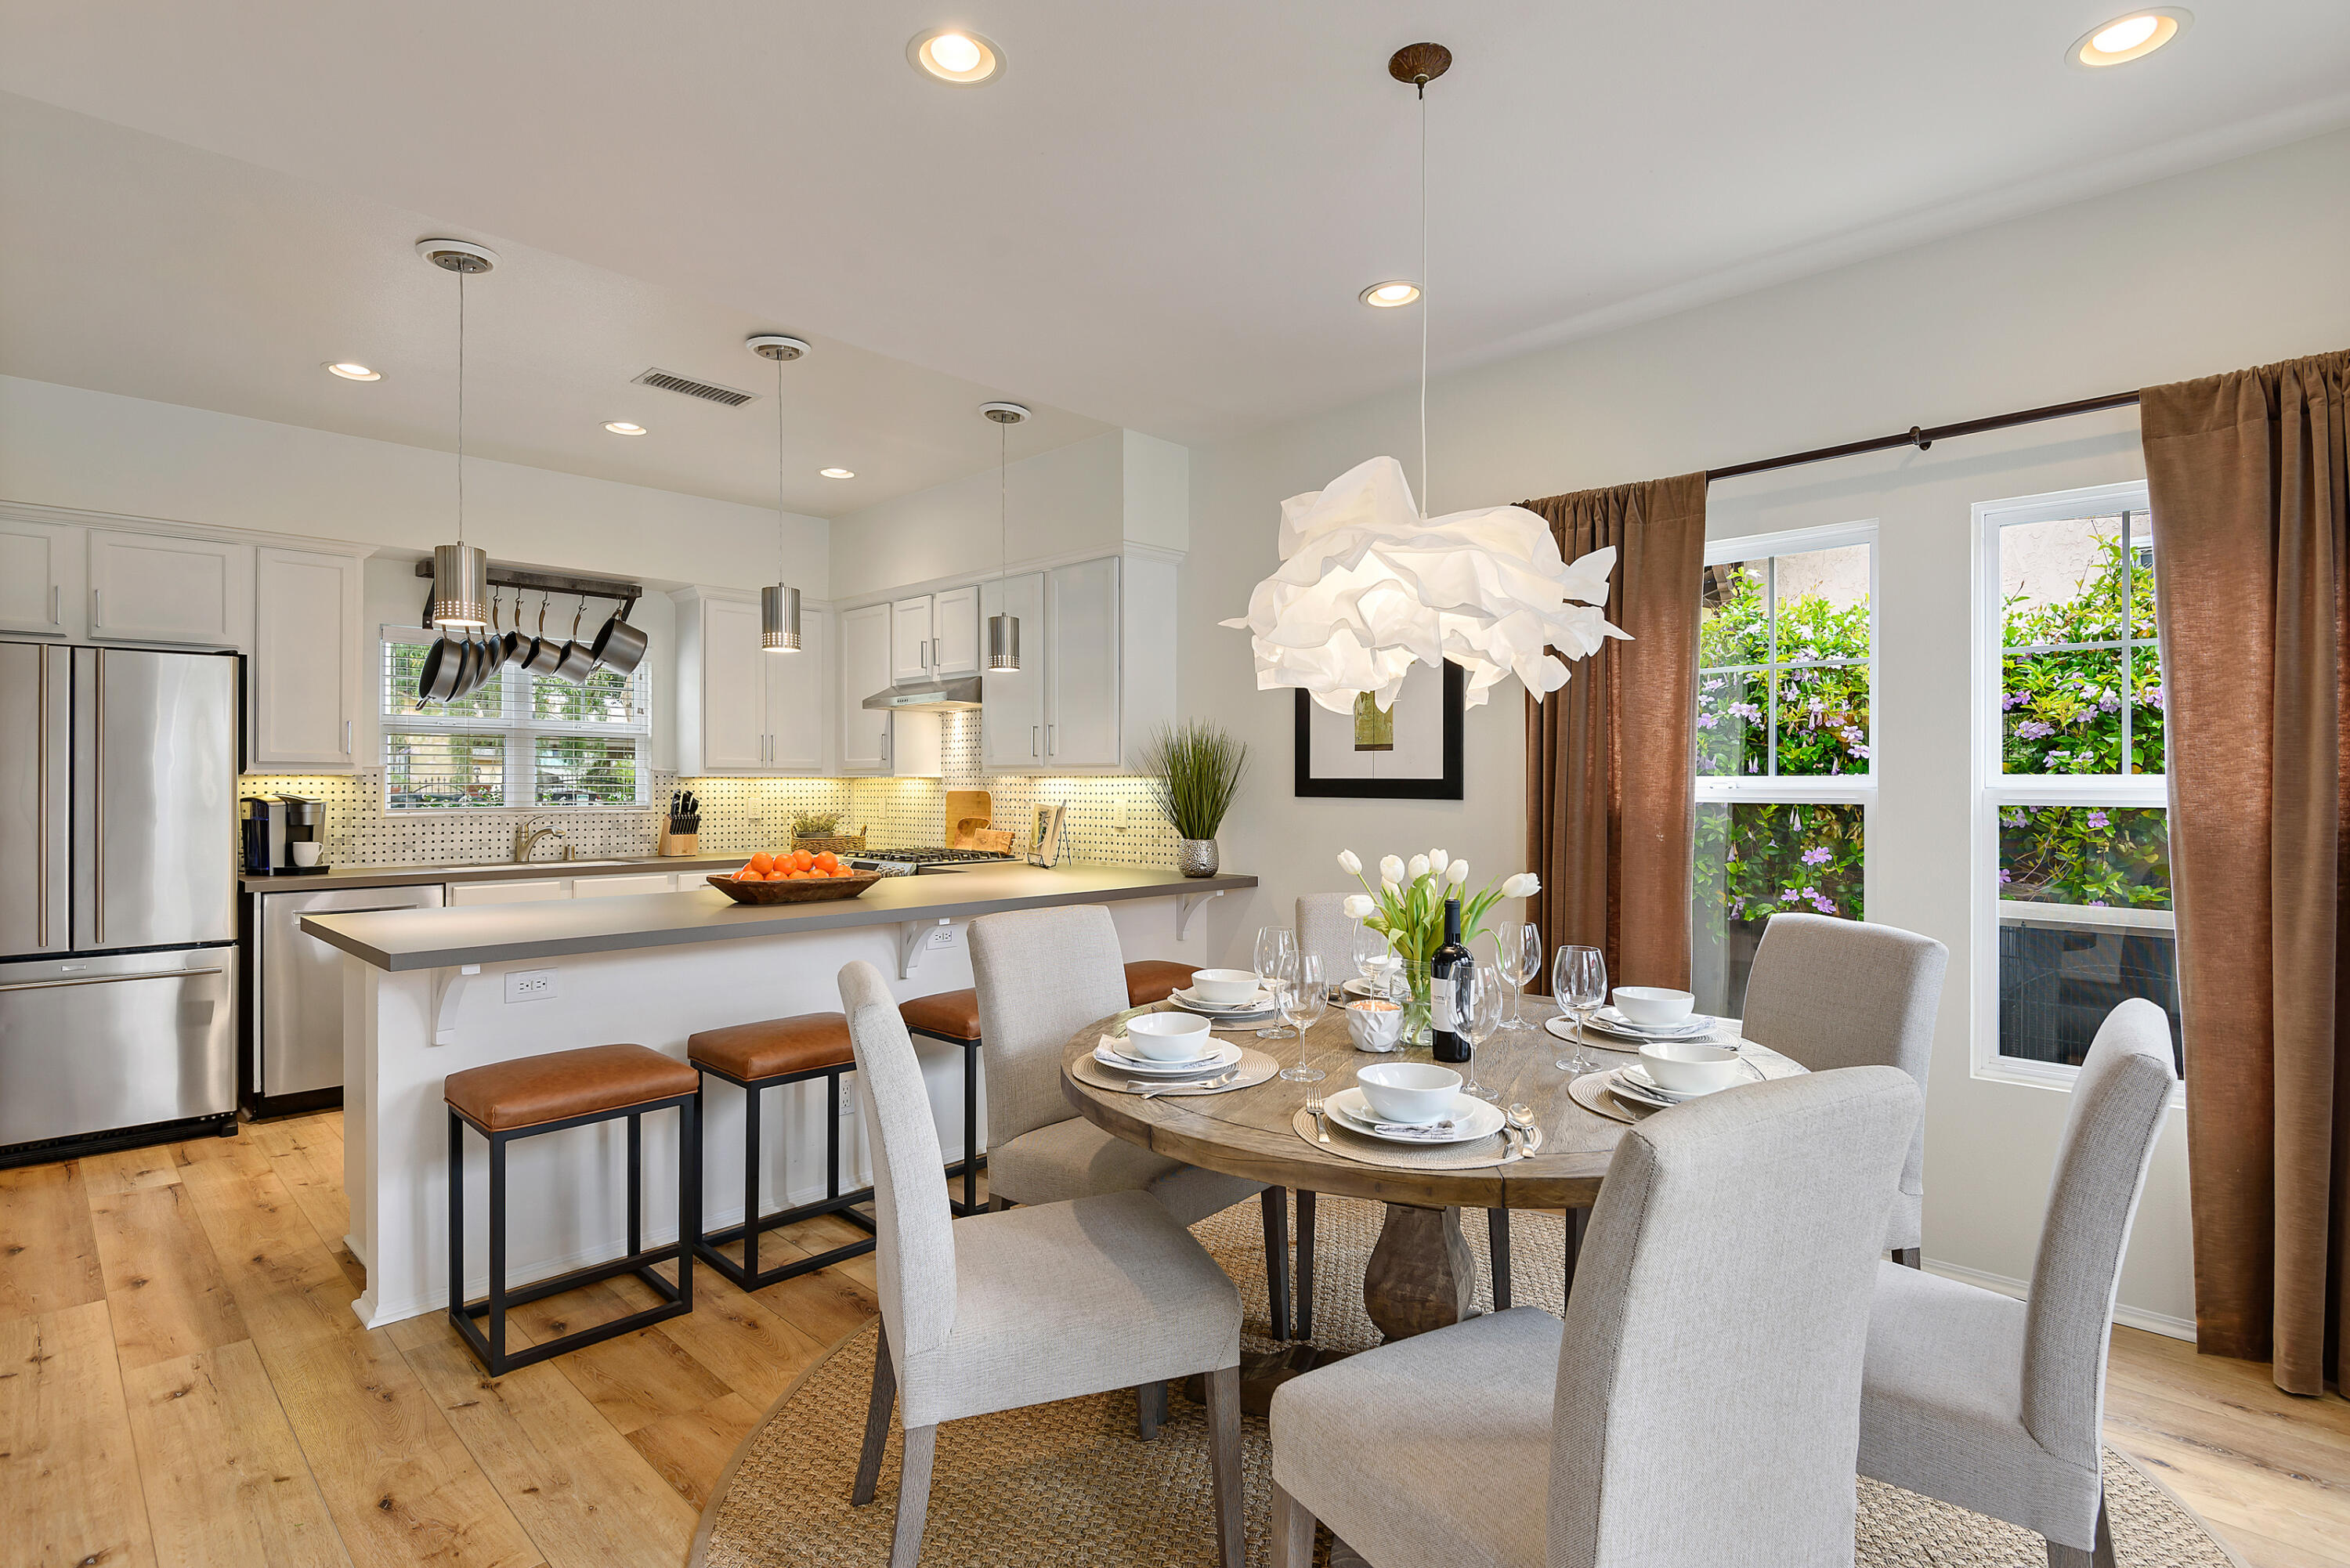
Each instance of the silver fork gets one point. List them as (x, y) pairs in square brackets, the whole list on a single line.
[(1157, 1089), (1314, 1109)]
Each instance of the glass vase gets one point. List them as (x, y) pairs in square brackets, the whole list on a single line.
[(1416, 1030)]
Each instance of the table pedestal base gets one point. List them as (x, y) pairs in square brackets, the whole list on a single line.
[(1420, 1276)]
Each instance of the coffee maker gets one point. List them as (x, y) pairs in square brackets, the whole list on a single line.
[(273, 826)]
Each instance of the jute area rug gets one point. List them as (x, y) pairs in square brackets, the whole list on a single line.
[(1069, 1483)]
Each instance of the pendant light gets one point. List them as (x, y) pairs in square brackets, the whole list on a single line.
[(1369, 584), (460, 571), (1003, 628), (779, 602)]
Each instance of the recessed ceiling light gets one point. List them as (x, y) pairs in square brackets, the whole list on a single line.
[(838, 473), (2130, 38), (351, 371), (1387, 295), (622, 427), (956, 55)]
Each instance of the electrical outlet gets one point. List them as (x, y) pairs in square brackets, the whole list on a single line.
[(943, 937), (533, 984), (1119, 818)]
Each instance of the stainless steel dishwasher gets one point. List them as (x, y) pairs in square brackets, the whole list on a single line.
[(297, 1043)]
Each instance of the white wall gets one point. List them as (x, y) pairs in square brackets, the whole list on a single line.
[(2225, 267), (63, 446)]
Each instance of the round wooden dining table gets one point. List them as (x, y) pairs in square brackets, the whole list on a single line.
[(1421, 1274)]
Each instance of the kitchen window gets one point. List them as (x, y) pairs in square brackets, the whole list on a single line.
[(1785, 749), (519, 740), (2072, 845)]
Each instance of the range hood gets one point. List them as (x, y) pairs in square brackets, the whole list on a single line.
[(929, 696)]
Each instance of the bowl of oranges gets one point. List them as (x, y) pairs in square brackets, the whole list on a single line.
[(793, 876)]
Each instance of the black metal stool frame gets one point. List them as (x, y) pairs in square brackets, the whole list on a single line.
[(638, 1260), (746, 1275), (973, 1162)]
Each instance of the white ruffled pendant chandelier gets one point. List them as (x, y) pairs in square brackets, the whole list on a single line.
[(1371, 584)]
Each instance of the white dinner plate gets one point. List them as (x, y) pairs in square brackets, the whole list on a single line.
[(1696, 1024), (1261, 1002), (1222, 1055), (1620, 1083), (1562, 1027), (1473, 1119), (1636, 1078), (1366, 988)]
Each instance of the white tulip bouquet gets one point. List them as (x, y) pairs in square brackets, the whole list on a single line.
[(1408, 907)]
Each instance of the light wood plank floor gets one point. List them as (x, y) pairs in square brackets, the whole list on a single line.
[(181, 1382)]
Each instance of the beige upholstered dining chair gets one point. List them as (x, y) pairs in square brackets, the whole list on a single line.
[(1041, 975), (1844, 994), (993, 1311), (1700, 1403), (1997, 1405)]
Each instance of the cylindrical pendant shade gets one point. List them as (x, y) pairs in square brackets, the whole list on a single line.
[(461, 574), (1003, 642), (779, 619)]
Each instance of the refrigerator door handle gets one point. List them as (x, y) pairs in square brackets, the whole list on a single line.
[(105, 979), (98, 801), (41, 808)]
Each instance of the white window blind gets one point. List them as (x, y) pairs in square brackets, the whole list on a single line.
[(519, 740)]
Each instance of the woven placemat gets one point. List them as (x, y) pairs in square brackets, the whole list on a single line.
[(1474, 1155), (1254, 1067)]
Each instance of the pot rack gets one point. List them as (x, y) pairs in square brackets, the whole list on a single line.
[(623, 593)]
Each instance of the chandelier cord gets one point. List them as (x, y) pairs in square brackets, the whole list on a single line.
[(461, 408), (1002, 505), (779, 471), (1422, 86)]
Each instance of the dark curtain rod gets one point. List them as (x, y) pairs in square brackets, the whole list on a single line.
[(1922, 438)]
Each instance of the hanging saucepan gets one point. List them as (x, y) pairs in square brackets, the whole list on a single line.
[(578, 664), (524, 644), (436, 679), (546, 652), (619, 646), (468, 667), (514, 644)]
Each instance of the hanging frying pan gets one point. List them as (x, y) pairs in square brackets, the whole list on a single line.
[(548, 653), (524, 644), (577, 663), (436, 679), (619, 646), (513, 644)]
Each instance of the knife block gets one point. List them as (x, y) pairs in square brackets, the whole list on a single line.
[(679, 844)]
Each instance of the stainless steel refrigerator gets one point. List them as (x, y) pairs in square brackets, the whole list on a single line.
[(118, 896)]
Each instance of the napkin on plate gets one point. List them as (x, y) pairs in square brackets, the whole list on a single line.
[(1423, 1131)]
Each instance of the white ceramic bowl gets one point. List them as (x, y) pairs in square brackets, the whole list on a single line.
[(1227, 986), (1413, 1092), (1647, 1004), (1375, 1025), (1166, 1036), (1688, 1068)]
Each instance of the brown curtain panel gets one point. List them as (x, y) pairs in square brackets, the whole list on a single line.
[(1609, 756), (2251, 487)]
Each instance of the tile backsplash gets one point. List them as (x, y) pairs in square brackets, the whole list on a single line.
[(747, 815)]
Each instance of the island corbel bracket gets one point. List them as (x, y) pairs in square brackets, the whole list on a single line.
[(912, 934), (1186, 905), (444, 1006)]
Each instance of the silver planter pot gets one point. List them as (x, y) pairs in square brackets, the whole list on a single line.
[(1196, 857)]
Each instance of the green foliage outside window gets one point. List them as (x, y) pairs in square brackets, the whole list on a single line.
[(2062, 711)]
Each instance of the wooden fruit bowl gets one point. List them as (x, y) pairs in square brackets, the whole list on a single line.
[(798, 890)]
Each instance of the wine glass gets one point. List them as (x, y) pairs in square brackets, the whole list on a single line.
[(1277, 963), (1518, 949), (1578, 981), (1303, 997), (1477, 1006), (1376, 961)]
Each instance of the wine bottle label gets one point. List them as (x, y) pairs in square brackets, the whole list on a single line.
[(1439, 1004)]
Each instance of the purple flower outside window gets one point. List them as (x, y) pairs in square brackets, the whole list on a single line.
[(1817, 855), (2033, 730), (1707, 720), (1825, 906), (1789, 895), (2099, 819)]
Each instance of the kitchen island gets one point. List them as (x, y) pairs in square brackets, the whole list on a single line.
[(428, 992)]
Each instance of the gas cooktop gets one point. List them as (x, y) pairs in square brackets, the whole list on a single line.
[(927, 859)]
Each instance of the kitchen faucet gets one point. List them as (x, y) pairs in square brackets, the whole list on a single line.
[(527, 837)]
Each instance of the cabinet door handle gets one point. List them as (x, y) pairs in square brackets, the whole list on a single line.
[(1032, 742), (97, 608), (58, 604), (1050, 748), (347, 737), (937, 659)]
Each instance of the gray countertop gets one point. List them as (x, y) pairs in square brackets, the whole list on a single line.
[(410, 875), (399, 939)]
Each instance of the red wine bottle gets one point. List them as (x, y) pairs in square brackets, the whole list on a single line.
[(1445, 967)]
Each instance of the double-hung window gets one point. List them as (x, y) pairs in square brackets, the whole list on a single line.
[(518, 739), (2072, 849), (1786, 753)]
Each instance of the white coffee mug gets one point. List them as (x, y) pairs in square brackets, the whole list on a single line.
[(306, 853)]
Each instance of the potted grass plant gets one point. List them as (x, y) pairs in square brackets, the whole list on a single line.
[(1195, 769)]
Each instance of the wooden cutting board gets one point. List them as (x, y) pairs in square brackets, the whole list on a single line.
[(968, 810)]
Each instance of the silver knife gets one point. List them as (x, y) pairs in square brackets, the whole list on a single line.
[(1222, 1078)]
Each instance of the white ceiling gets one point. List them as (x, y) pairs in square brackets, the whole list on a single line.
[(1158, 217)]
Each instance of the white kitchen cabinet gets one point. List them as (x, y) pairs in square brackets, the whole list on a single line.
[(797, 685), (41, 576), (741, 709), (865, 666), (909, 640), (1011, 718), (954, 633), (1081, 664), (309, 678), (160, 588), (623, 885), (534, 891)]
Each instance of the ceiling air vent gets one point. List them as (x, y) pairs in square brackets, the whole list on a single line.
[(708, 393)]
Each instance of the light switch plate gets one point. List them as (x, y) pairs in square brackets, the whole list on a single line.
[(533, 984)]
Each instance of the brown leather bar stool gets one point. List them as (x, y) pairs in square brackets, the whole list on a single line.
[(535, 1094), (953, 1016), (1155, 979), (755, 1057)]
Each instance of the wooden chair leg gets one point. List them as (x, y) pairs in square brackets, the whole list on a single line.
[(1293, 1531), (1497, 1240), (877, 1424), (913, 1496), (1575, 1220), (1224, 1465), (1302, 1308), (1274, 1201), (1149, 1410), (2099, 1556), (1909, 1257)]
